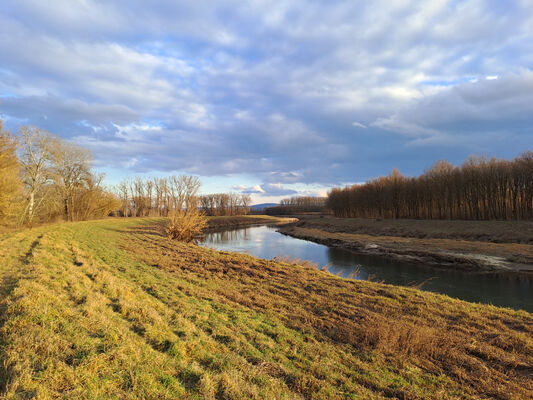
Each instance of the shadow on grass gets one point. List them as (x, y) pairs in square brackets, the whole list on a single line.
[(8, 284)]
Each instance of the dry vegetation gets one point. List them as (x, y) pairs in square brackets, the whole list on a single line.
[(113, 309), (10, 183), (476, 231), (185, 225), (229, 222)]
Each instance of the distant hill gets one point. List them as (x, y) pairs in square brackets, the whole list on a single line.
[(262, 206)]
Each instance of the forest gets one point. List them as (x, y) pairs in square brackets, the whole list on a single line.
[(479, 189)]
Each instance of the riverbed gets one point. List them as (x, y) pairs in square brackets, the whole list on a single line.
[(500, 289)]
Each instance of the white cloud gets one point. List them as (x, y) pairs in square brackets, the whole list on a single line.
[(466, 113), (274, 90)]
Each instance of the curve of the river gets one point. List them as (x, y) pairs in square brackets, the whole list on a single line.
[(501, 289)]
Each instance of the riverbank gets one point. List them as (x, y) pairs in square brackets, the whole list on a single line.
[(113, 309), (434, 243), (520, 232), (239, 221)]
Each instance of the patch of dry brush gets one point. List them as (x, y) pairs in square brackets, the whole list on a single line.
[(185, 225)]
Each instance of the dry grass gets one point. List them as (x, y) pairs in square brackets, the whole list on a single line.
[(113, 309), (479, 231), (228, 222), (297, 261)]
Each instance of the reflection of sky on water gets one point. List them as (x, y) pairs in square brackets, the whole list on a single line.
[(508, 290)]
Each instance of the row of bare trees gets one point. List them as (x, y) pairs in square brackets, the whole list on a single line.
[(479, 189), (143, 197), (296, 205), (225, 204), (45, 178)]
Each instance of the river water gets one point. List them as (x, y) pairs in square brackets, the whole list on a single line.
[(501, 289)]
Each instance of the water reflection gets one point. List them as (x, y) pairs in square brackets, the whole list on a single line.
[(508, 290)]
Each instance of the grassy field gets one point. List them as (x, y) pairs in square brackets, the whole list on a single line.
[(112, 309)]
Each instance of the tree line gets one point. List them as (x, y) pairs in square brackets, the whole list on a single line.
[(479, 189), (297, 205), (144, 197), (44, 178), (225, 204)]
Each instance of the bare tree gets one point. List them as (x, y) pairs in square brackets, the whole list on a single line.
[(71, 170), (36, 152)]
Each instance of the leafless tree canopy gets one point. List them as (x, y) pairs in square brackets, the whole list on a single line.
[(295, 205), (158, 196), (480, 189), (225, 204), (161, 196)]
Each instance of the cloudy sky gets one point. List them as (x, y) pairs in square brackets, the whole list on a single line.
[(271, 98)]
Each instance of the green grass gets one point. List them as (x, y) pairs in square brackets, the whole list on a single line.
[(112, 309)]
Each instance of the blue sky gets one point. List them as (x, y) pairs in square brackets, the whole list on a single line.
[(271, 98)]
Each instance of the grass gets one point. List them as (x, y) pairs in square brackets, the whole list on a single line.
[(113, 309)]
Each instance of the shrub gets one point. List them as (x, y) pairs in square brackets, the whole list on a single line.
[(186, 225)]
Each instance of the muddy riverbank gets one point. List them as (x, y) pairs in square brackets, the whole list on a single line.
[(468, 255)]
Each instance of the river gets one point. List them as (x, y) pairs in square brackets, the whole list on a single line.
[(501, 289)]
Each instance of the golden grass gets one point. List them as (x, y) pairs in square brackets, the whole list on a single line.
[(113, 309)]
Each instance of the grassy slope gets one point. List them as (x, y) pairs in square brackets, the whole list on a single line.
[(112, 309)]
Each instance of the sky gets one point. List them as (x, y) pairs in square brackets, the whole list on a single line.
[(273, 99)]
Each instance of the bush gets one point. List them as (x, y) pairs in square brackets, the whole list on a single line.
[(186, 225)]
